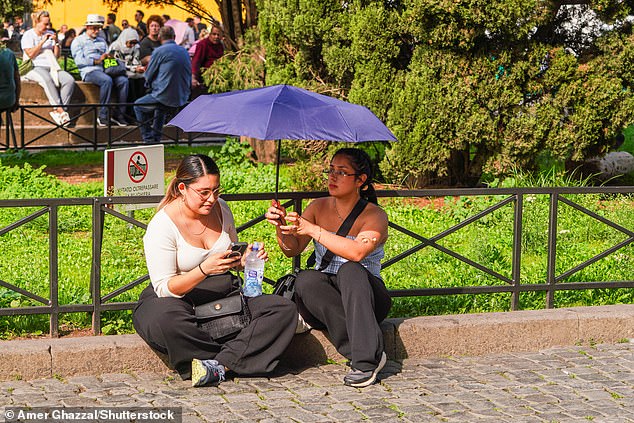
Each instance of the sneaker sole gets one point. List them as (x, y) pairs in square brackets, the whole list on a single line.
[(199, 372), (375, 373)]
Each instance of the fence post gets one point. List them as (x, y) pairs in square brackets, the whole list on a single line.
[(95, 274), (517, 251), (21, 127), (53, 273), (552, 249)]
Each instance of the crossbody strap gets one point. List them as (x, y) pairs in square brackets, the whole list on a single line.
[(344, 229)]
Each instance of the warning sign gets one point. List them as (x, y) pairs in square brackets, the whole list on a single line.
[(136, 171), (137, 167)]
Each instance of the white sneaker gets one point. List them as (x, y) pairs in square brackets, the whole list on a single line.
[(57, 117), (65, 117), (302, 326)]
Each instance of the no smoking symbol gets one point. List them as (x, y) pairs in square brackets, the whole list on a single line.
[(137, 167)]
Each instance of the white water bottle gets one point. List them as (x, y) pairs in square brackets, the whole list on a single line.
[(253, 273)]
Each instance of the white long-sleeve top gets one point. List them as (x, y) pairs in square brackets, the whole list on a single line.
[(167, 254)]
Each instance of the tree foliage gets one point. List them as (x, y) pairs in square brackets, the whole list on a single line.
[(11, 8), (236, 15), (469, 87)]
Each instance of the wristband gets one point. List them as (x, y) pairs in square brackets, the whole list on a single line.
[(203, 272)]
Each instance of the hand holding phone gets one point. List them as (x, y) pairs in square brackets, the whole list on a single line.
[(237, 249)]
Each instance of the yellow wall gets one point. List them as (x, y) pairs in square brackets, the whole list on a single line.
[(73, 12)]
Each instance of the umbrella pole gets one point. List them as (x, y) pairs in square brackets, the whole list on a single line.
[(277, 168)]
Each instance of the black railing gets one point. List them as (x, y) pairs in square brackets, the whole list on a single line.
[(89, 135), (102, 206)]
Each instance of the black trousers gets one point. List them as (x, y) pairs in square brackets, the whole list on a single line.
[(168, 325), (349, 305)]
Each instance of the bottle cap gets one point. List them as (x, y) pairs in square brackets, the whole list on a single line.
[(256, 246)]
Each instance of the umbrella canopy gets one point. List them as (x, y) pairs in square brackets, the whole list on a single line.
[(281, 112)]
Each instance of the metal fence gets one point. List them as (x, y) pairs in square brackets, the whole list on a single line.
[(102, 206), (89, 136)]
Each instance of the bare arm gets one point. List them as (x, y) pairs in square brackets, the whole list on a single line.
[(290, 243), (373, 232)]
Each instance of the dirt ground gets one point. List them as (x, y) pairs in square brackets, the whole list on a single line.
[(94, 173), (91, 172)]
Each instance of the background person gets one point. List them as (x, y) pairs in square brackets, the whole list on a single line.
[(203, 34), (9, 83), (207, 52), (151, 41), (41, 46), (112, 30), (348, 298), (169, 80), (140, 25), (189, 37), (126, 48), (68, 39), (89, 51), (186, 248)]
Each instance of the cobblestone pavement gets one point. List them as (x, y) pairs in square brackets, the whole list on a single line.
[(556, 385)]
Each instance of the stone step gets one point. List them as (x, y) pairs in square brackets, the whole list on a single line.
[(48, 136), (39, 129), (418, 337)]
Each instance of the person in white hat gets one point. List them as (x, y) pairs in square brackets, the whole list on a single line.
[(89, 51)]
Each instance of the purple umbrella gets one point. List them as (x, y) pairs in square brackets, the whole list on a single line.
[(281, 112)]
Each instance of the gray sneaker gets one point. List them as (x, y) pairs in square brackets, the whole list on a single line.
[(207, 372), (360, 379)]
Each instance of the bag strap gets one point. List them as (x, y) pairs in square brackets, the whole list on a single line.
[(344, 229)]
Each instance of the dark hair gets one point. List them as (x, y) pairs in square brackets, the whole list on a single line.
[(112, 16), (140, 12), (189, 170), (362, 164)]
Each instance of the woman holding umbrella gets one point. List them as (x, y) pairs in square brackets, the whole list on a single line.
[(345, 296), (188, 258)]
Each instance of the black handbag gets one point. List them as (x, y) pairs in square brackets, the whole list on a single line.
[(222, 319), (285, 286)]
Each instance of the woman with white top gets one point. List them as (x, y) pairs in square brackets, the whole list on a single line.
[(41, 46), (187, 253)]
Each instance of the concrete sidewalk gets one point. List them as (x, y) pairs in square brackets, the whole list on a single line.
[(415, 338)]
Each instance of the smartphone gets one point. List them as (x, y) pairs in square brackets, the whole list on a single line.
[(237, 249)]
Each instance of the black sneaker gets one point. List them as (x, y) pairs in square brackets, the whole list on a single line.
[(102, 122), (360, 379), (119, 121), (207, 372)]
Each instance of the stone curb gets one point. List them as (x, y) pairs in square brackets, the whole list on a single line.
[(419, 337)]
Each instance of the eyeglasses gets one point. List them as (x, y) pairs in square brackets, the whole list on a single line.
[(206, 193), (338, 173), (131, 42)]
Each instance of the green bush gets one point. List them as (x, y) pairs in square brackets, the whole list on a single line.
[(469, 88)]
